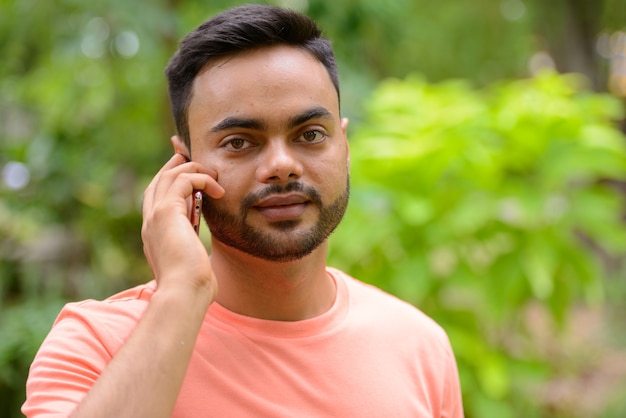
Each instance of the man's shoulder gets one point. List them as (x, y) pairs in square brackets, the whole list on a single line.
[(97, 328), (379, 306), (122, 309), (360, 290)]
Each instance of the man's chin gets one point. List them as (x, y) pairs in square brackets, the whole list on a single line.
[(277, 252), (285, 226)]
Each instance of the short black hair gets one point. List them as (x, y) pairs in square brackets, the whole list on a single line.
[(234, 31)]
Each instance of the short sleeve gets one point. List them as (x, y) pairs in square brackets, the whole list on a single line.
[(82, 341)]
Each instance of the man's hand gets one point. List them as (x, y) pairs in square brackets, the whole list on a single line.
[(175, 254)]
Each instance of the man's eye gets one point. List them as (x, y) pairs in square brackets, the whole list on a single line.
[(313, 136), (236, 144)]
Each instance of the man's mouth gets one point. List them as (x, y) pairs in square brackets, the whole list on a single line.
[(282, 207)]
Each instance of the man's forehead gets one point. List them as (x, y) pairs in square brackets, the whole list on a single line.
[(264, 66), (266, 53), (285, 80)]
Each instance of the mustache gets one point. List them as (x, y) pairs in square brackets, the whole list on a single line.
[(252, 199)]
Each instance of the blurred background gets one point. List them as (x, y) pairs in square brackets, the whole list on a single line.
[(488, 171)]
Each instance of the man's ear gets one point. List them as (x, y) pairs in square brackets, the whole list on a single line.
[(344, 126), (180, 147), (344, 129)]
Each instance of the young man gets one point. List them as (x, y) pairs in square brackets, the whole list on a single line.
[(261, 327)]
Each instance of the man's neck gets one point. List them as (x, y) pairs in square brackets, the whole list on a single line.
[(283, 291)]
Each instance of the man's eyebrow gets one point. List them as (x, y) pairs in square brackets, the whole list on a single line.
[(233, 122), (313, 113), (236, 122)]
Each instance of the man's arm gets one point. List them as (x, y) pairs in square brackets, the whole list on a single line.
[(145, 376)]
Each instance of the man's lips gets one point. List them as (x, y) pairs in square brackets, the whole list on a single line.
[(282, 200), (282, 207)]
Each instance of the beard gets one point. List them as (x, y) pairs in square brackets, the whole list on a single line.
[(284, 243)]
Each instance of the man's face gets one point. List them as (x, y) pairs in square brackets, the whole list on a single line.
[(267, 121)]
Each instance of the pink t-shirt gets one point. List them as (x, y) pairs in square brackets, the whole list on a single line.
[(370, 355)]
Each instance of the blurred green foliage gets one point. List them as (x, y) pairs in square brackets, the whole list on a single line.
[(472, 203), (475, 204)]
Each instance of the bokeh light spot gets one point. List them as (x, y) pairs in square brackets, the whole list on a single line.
[(93, 44), (15, 175), (512, 10), (127, 44)]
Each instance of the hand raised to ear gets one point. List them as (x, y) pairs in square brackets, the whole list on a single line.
[(174, 252)]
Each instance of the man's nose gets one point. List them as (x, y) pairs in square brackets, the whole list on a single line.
[(279, 163)]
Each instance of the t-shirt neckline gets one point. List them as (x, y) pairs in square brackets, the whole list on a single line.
[(224, 318)]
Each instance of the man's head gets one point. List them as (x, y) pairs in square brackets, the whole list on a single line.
[(235, 31), (255, 96)]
